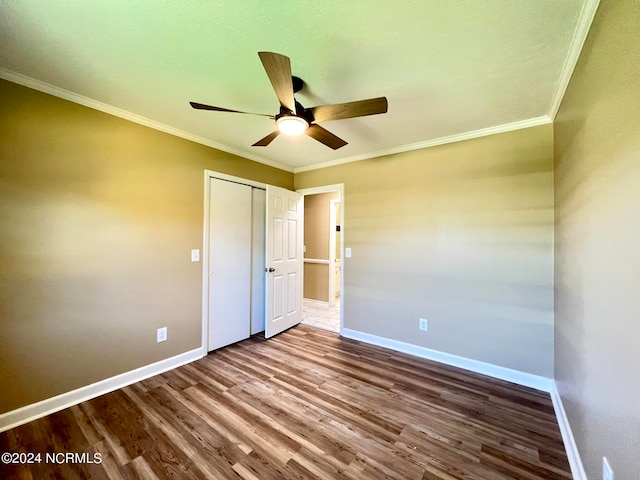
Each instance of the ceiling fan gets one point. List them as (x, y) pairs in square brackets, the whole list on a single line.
[(293, 118)]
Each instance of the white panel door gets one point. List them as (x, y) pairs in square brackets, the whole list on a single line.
[(230, 206), (284, 237)]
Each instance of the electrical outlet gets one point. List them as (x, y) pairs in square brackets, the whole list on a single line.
[(424, 324), (607, 472), (161, 335)]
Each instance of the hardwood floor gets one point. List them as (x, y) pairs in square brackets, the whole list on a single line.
[(305, 404)]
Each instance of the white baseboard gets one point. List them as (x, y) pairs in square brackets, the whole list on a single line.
[(313, 301), (577, 470), (515, 376), (51, 405)]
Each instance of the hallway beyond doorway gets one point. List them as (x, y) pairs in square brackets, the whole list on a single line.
[(320, 315)]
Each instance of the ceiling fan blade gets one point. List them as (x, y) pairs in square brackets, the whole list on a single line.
[(361, 108), (325, 136), (202, 106), (266, 140), (278, 68)]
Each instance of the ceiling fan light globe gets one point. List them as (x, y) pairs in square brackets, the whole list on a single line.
[(291, 125)]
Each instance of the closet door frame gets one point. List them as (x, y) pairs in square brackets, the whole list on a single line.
[(208, 174)]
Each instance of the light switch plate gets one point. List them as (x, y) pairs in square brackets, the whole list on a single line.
[(195, 255), (161, 335), (347, 252)]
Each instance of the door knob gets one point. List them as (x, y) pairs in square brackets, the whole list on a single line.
[(270, 269)]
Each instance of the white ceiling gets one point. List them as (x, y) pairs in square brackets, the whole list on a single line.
[(449, 69)]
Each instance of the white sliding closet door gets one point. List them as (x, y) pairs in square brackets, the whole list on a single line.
[(258, 261), (230, 271)]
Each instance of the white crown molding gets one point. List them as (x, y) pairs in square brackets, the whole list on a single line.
[(502, 373), (507, 127), (132, 117), (575, 463), (577, 42), (118, 112), (51, 405)]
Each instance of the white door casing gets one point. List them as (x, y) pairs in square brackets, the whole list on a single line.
[(284, 238), (339, 187)]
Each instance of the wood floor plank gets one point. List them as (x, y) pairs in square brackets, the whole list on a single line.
[(300, 427), (211, 453), (360, 419), (322, 466), (304, 404), (275, 446)]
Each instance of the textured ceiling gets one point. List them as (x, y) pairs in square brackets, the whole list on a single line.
[(447, 67)]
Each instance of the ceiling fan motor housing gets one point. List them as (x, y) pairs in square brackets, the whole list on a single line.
[(298, 83), (300, 112)]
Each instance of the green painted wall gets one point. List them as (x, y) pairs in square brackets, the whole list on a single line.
[(460, 234), (597, 254), (98, 216)]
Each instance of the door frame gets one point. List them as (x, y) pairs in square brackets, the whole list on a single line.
[(208, 174), (337, 187)]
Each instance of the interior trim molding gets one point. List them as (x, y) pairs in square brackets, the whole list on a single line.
[(483, 132), (585, 20), (316, 260), (502, 373), (313, 301), (132, 117), (575, 463), (51, 405), (336, 187)]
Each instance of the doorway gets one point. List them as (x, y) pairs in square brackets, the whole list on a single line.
[(323, 247)]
